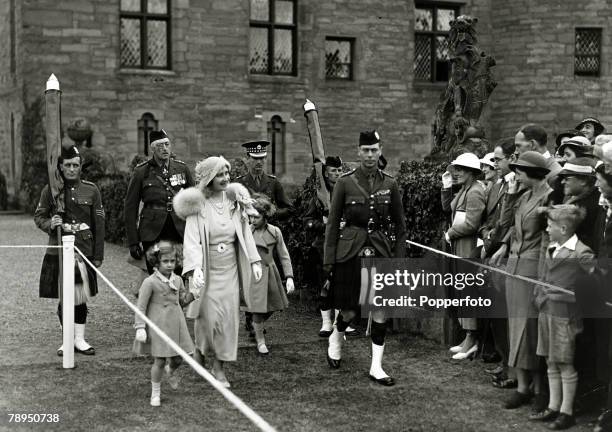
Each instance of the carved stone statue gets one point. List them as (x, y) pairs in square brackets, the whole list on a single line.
[(96, 164), (465, 96)]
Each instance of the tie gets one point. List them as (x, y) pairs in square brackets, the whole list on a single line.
[(258, 182)]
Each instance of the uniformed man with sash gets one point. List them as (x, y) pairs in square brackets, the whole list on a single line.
[(154, 183), (370, 202)]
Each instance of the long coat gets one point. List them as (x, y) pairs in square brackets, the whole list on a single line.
[(527, 234), (471, 200), (268, 294), (189, 203)]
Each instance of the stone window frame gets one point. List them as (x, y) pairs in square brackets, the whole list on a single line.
[(277, 149), (271, 25), (351, 41), (432, 34), (144, 17), (579, 55)]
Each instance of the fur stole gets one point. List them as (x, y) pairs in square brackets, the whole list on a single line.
[(191, 200)]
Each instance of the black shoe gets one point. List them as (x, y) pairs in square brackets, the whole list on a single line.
[(88, 351), (544, 416), (540, 402), (386, 381), (325, 333), (504, 383), (564, 421), (517, 399), (334, 364)]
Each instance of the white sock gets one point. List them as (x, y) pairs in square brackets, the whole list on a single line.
[(79, 337), (334, 350), (326, 324), (155, 389), (376, 368)]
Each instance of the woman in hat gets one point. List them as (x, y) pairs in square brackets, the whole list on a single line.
[(575, 147), (590, 127), (219, 257), (487, 165), (561, 138), (527, 228), (467, 208)]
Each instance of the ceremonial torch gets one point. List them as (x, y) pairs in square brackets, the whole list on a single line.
[(318, 152)]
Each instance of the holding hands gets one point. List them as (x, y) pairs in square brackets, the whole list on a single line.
[(197, 283)]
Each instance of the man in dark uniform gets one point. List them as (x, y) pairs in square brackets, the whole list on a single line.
[(257, 181), (315, 220), (83, 217), (370, 202), (155, 182)]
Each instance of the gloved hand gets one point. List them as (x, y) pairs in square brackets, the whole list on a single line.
[(141, 335), (327, 271), (447, 180), (257, 271), (290, 285), (197, 282), (136, 251)]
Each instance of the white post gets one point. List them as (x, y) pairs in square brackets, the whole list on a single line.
[(68, 301)]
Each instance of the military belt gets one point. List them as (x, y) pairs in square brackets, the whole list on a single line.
[(155, 206)]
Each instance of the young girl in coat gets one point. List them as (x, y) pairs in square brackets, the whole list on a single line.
[(161, 298), (268, 294)]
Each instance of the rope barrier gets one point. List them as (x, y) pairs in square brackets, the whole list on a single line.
[(248, 412), (29, 246), (498, 270)]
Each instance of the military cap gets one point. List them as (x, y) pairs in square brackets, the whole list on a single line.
[(69, 153), (155, 136), (256, 149), (333, 161), (369, 138)]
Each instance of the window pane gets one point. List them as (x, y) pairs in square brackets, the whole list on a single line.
[(587, 42), (157, 6), (422, 57), (423, 19), (260, 10), (130, 42), (338, 59), (130, 5), (441, 48), (283, 11), (283, 51), (157, 49), (445, 16), (258, 57)]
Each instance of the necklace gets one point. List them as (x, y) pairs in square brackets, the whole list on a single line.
[(219, 207)]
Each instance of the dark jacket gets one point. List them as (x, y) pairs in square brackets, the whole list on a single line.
[(271, 187), (373, 214), (155, 190)]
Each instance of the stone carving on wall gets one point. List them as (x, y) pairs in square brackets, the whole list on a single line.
[(96, 163), (456, 127)]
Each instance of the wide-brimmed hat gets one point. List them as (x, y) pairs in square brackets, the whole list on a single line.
[(597, 125), (578, 143), (604, 152), (530, 161), (582, 166), (207, 169), (488, 159), (570, 133), (467, 160)]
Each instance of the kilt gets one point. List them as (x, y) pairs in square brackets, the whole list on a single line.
[(49, 276), (345, 285)]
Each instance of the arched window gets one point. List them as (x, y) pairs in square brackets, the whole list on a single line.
[(276, 136), (146, 124)]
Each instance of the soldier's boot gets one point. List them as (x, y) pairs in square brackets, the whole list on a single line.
[(326, 324), (334, 349), (80, 345)]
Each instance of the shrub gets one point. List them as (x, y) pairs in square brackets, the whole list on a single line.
[(113, 189), (34, 175)]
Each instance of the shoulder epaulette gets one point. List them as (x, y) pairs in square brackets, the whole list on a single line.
[(179, 161), (242, 176), (271, 175), (349, 173), (88, 182), (142, 163), (386, 174)]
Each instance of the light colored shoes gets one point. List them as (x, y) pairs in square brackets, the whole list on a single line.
[(455, 349), (262, 348), (468, 354), (155, 401)]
